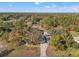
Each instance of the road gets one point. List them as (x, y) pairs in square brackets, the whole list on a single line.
[(43, 48), (11, 21)]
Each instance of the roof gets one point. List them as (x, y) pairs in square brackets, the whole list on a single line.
[(46, 33)]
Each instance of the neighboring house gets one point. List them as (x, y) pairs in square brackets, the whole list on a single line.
[(11, 17), (76, 39), (36, 26)]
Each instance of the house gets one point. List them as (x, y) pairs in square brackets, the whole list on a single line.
[(35, 26), (11, 17), (76, 39)]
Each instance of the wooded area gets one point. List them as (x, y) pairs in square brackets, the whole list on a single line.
[(18, 29)]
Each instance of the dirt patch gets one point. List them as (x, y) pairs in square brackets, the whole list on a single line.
[(24, 51)]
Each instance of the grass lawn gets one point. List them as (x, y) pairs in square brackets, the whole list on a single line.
[(53, 52), (74, 52), (75, 34)]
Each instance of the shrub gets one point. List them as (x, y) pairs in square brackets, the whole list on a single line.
[(61, 45), (75, 45), (36, 36), (61, 39), (77, 29)]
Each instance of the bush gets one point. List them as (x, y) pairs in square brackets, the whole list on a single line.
[(36, 36), (61, 45), (75, 45), (77, 29), (54, 39), (61, 39)]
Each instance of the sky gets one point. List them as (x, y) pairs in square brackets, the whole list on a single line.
[(39, 6)]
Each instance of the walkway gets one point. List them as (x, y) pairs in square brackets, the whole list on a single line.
[(43, 48)]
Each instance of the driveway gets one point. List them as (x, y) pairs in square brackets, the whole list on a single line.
[(43, 48)]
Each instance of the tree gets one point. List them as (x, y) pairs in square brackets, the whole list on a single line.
[(36, 36)]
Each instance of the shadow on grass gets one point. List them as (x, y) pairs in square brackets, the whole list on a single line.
[(6, 52)]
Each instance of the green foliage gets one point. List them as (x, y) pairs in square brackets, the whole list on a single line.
[(18, 25), (49, 21), (61, 44), (21, 28), (75, 45), (76, 28), (36, 36), (1, 22), (62, 39)]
